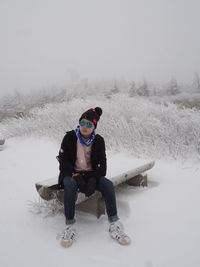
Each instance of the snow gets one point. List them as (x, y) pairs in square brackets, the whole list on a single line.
[(162, 220)]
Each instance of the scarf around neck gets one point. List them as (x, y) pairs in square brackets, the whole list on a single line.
[(82, 140)]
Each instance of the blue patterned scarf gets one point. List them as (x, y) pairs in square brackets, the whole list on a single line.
[(83, 141)]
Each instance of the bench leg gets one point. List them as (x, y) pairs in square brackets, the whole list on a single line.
[(2, 141), (139, 180), (94, 205)]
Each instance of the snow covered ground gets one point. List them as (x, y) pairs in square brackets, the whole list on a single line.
[(162, 220)]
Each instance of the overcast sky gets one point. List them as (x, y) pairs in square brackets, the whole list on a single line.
[(44, 42)]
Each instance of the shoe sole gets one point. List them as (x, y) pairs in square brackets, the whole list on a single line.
[(66, 243), (124, 241)]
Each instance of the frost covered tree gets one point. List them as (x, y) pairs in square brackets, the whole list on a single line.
[(173, 87), (113, 91), (197, 82), (143, 89), (132, 90)]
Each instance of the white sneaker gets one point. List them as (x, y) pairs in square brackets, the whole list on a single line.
[(117, 232), (68, 236)]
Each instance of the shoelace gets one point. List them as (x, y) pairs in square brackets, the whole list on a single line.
[(116, 227), (68, 233), (120, 235), (117, 232)]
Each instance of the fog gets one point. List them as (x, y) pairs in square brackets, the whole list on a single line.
[(46, 42)]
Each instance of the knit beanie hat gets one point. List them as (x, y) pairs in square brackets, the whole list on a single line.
[(92, 115)]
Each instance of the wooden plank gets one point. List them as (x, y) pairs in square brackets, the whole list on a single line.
[(123, 177), (48, 189)]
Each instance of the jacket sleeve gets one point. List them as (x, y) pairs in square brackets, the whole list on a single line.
[(101, 168), (103, 160), (65, 163)]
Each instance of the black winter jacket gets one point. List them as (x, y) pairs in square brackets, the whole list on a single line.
[(68, 152)]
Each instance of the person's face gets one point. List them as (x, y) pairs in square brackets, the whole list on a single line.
[(86, 127)]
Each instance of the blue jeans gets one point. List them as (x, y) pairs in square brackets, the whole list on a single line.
[(104, 185)]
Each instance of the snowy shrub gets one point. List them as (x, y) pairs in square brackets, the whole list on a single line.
[(143, 127)]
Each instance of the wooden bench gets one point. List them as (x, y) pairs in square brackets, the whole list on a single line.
[(48, 189)]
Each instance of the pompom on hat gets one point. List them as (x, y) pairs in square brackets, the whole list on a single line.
[(92, 115)]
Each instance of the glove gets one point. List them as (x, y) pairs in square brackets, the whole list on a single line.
[(90, 186), (80, 182)]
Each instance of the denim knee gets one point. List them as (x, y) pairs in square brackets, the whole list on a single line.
[(69, 183), (106, 187), (105, 184)]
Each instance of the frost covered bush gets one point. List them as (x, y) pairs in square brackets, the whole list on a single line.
[(19, 104), (138, 125), (153, 130)]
